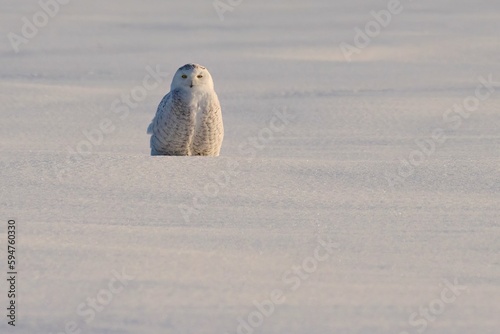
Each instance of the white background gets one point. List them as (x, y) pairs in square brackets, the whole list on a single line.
[(324, 175)]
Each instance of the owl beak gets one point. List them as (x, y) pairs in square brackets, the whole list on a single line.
[(191, 84)]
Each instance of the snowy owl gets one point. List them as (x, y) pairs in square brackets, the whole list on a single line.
[(189, 119)]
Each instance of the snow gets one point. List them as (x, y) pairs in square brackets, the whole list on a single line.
[(198, 241)]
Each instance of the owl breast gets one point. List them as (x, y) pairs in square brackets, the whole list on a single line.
[(199, 121), (208, 128)]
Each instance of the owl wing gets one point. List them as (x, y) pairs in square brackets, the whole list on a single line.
[(162, 112)]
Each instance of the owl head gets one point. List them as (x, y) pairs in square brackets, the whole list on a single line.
[(192, 77)]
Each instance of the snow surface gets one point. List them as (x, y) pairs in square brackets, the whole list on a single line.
[(323, 175)]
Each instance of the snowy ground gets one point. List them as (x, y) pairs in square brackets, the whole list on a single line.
[(115, 241)]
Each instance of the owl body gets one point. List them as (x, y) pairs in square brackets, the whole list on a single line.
[(189, 119)]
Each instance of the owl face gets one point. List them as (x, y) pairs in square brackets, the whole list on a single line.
[(192, 77)]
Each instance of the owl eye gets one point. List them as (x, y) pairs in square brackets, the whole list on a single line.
[(184, 76), (200, 76)]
